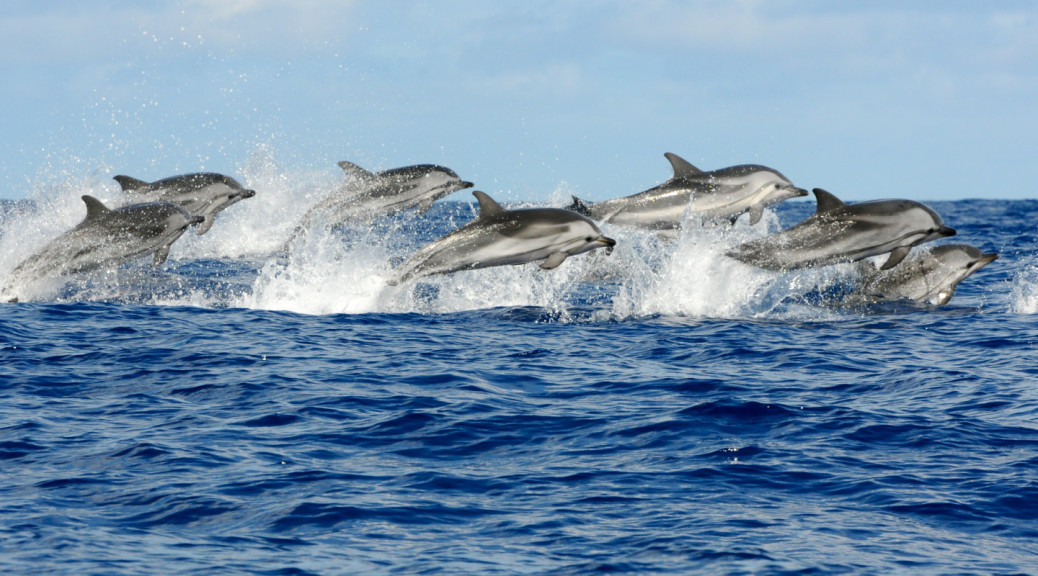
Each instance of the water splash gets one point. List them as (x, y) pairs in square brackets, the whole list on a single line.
[(247, 260), (1023, 297)]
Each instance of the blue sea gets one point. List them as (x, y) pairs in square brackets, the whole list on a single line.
[(254, 409)]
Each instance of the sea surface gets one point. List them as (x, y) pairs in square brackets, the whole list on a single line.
[(260, 406)]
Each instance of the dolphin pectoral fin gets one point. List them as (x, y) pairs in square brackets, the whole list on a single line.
[(424, 206), (160, 256), (129, 184), (896, 256), (205, 225), (943, 297), (554, 260), (756, 213)]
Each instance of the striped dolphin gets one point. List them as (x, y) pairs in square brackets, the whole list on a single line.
[(929, 277), (839, 232), (709, 196), (500, 237), (105, 237), (369, 194), (202, 194)]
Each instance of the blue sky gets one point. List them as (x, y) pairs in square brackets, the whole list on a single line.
[(922, 100)]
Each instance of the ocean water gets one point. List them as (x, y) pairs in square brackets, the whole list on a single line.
[(659, 410)]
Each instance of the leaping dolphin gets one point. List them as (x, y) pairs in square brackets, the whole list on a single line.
[(500, 237), (710, 196), (929, 277), (368, 194), (106, 237), (203, 194), (839, 232)]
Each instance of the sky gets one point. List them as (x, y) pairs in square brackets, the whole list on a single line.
[(933, 100)]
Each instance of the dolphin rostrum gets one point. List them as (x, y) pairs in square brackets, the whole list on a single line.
[(839, 232), (500, 237), (928, 277), (106, 237), (709, 196), (202, 194)]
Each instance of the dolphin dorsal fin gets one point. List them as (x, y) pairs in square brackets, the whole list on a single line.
[(682, 168), (487, 205), (579, 206), (354, 171), (129, 184), (95, 209), (826, 201)]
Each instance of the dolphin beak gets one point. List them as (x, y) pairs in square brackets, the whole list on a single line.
[(798, 191), (986, 259), (196, 220), (246, 194), (465, 184), (945, 231), (607, 242)]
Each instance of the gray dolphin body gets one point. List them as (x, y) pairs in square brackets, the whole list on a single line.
[(839, 232), (710, 196), (202, 194), (370, 194), (928, 277), (106, 237), (500, 237)]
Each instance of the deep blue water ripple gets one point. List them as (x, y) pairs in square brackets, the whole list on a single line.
[(517, 440)]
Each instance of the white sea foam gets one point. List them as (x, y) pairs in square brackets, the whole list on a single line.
[(1023, 298)]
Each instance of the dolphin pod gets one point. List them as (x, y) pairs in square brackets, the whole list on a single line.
[(837, 232), (202, 194), (105, 237)]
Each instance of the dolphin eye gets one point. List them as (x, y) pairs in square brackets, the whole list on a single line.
[(589, 239)]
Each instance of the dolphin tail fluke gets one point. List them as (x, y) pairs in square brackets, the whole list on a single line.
[(129, 184), (896, 256)]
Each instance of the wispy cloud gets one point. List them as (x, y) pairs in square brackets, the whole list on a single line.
[(73, 32)]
